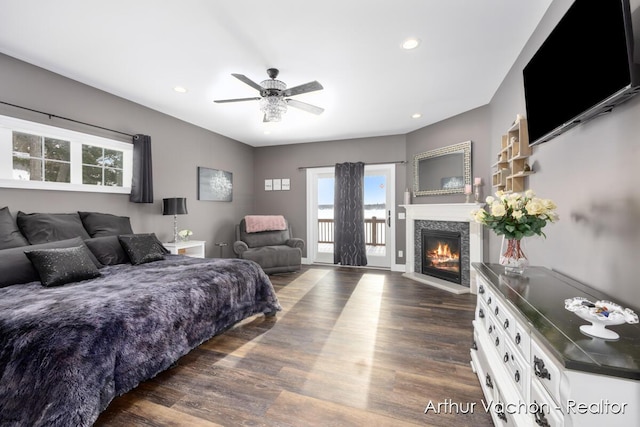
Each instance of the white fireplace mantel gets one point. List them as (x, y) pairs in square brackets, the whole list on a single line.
[(458, 212)]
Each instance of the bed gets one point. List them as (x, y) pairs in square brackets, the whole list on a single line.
[(67, 350)]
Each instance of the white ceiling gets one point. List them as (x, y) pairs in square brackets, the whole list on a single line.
[(141, 49)]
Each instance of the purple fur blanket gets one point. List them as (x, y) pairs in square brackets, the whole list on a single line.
[(66, 352)]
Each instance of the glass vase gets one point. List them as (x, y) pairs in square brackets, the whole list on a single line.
[(512, 256)]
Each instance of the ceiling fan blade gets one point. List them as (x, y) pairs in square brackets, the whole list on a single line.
[(248, 81), (304, 106), (221, 101), (307, 87)]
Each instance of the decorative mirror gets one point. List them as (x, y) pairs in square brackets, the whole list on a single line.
[(445, 170)]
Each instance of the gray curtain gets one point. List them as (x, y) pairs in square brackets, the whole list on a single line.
[(349, 243), (142, 182)]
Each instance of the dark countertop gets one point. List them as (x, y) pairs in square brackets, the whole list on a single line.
[(538, 296)]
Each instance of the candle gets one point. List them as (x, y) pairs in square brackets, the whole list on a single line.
[(477, 181), (467, 189)]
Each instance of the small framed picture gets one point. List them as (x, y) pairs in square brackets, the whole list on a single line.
[(268, 185), (277, 184), (286, 184)]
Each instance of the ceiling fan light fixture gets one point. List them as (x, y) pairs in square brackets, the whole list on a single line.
[(273, 108)]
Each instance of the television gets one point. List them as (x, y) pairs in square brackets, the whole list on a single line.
[(586, 66)]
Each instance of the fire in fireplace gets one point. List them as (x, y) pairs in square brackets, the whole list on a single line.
[(441, 254)]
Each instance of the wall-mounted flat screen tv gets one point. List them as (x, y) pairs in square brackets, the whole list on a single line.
[(586, 66)]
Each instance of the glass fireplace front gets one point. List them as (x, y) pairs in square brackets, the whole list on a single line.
[(441, 255)]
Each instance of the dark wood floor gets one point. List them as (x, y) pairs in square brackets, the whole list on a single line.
[(352, 347)]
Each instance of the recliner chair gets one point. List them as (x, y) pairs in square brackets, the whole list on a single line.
[(275, 251)]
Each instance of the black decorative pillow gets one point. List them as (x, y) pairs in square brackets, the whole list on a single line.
[(107, 250), (63, 265), (101, 224), (142, 248), (16, 268), (43, 227), (10, 236)]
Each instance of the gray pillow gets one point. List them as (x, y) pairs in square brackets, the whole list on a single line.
[(142, 248), (60, 266), (16, 268), (107, 250), (101, 224), (10, 236), (44, 227)]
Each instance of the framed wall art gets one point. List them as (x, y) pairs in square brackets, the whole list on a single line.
[(215, 185)]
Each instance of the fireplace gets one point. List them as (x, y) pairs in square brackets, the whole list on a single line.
[(441, 254), (452, 217)]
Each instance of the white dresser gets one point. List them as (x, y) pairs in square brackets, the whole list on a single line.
[(535, 366)]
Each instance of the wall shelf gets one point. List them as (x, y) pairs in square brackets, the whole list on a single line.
[(512, 168)]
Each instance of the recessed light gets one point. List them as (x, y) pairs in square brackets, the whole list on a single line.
[(416, 115), (410, 43), (180, 89)]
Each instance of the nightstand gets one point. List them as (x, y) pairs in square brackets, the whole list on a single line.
[(192, 248)]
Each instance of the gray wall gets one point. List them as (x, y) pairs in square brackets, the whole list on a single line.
[(591, 173), (283, 162), (178, 148)]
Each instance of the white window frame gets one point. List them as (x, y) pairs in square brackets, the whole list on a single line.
[(8, 125)]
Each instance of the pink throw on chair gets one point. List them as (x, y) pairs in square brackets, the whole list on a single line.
[(257, 223)]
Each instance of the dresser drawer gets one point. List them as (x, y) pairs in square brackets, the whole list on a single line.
[(543, 409), (522, 340), (545, 371), (518, 370), (481, 314)]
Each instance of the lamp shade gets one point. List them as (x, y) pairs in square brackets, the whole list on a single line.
[(174, 206)]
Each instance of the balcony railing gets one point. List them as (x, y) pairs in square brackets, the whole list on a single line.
[(374, 231)]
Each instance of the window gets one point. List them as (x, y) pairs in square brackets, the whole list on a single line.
[(38, 156), (101, 166)]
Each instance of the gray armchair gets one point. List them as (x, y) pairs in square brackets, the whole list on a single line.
[(274, 251)]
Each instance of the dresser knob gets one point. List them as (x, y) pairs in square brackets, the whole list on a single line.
[(517, 376), (541, 420), (490, 328), (506, 357), (488, 381), (539, 369), (489, 301), (481, 314), (506, 323), (496, 311), (518, 338), (497, 341), (481, 289)]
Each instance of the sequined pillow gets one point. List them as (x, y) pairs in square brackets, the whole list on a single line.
[(142, 248), (63, 265)]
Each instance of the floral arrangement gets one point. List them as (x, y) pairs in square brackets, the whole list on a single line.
[(516, 215), (184, 234)]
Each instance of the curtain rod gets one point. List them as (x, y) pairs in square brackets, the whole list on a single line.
[(66, 118), (398, 162)]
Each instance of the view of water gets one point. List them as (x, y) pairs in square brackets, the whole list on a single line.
[(377, 210)]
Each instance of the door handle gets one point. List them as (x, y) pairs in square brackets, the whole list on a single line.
[(389, 218)]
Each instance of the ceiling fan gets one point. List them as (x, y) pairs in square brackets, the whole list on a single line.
[(274, 96)]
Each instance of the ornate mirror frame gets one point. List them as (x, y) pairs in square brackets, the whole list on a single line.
[(463, 148)]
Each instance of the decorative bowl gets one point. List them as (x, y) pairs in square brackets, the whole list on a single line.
[(601, 314)]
